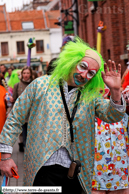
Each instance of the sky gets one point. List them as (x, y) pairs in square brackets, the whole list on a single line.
[(12, 4)]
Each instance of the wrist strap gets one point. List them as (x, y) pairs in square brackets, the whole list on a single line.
[(116, 101), (3, 159)]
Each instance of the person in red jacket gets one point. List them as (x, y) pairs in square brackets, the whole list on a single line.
[(2, 104)]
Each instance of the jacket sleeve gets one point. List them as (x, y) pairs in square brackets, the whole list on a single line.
[(18, 115), (106, 112)]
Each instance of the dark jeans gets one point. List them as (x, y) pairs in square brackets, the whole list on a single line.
[(56, 175), (24, 128)]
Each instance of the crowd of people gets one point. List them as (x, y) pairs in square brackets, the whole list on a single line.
[(72, 123), (12, 84)]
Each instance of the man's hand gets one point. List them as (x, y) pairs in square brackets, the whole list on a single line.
[(112, 78), (6, 166), (11, 99)]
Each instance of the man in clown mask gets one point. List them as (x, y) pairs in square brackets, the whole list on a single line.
[(61, 111), (85, 70)]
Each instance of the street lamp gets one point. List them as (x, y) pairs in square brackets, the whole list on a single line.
[(68, 24)]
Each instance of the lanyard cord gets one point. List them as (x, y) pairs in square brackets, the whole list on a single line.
[(70, 119)]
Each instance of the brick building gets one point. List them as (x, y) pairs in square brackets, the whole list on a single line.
[(115, 16)]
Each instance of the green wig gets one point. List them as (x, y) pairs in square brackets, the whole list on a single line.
[(72, 54), (13, 78)]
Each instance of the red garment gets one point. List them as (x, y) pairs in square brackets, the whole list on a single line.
[(2, 107), (126, 81)]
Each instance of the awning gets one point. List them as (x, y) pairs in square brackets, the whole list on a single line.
[(23, 64)]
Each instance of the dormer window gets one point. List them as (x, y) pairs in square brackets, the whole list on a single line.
[(27, 25)]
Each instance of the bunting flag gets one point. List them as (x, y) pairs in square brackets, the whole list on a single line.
[(4, 183), (6, 180)]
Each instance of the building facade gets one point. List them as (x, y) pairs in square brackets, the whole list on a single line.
[(115, 16), (14, 45), (16, 28)]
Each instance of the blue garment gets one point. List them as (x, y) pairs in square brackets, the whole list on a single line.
[(111, 155)]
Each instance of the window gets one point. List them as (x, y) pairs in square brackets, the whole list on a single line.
[(20, 47), (4, 48), (27, 25), (39, 46), (109, 54)]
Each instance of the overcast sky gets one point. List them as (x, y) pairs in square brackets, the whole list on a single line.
[(12, 4)]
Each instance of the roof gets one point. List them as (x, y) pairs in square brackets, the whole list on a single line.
[(2, 18), (17, 17), (13, 21), (52, 17)]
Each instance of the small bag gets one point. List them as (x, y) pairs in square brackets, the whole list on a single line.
[(74, 169)]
